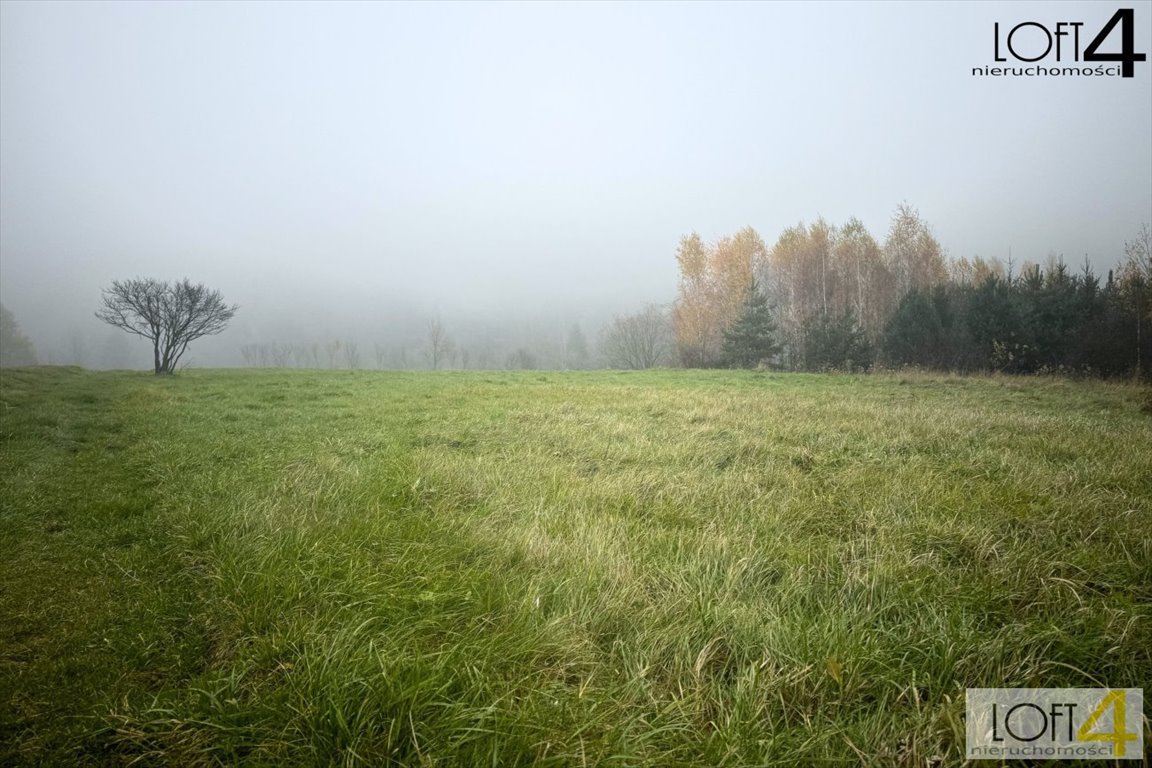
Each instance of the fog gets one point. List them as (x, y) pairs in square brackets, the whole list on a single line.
[(351, 171)]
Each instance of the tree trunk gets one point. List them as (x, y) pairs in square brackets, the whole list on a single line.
[(1139, 341)]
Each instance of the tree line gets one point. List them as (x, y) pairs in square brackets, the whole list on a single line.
[(823, 297), (438, 350), (828, 297)]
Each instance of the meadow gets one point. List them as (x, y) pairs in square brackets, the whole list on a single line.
[(656, 568)]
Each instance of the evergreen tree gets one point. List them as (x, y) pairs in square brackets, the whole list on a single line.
[(15, 347), (751, 339), (1049, 312), (836, 343), (1104, 347), (996, 326), (957, 350), (913, 335)]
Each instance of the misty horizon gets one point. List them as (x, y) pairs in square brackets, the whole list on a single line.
[(353, 171)]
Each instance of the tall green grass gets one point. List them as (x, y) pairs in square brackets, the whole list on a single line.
[(694, 568)]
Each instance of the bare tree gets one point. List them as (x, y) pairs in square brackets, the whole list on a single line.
[(1138, 254), (1136, 274), (77, 348), (401, 354), (255, 355), (170, 315), (351, 355), (332, 349), (281, 355), (308, 355), (523, 360), (642, 340), (440, 344)]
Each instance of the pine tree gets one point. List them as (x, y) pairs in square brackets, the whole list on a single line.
[(751, 339), (836, 343), (912, 336), (996, 326)]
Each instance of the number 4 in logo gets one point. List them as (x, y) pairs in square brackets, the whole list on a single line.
[(1118, 736), (1126, 56)]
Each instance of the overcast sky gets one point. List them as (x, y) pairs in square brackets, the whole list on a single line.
[(337, 163)]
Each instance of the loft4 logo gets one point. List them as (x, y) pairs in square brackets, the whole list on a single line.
[(1055, 723), (1046, 722), (1041, 41), (1063, 43)]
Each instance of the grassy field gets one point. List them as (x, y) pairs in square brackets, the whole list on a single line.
[(662, 568)]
